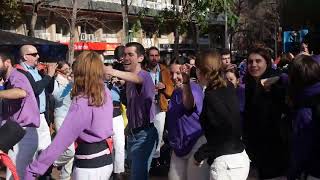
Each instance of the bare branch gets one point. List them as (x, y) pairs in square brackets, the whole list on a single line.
[(60, 12)]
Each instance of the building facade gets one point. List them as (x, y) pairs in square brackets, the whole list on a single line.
[(99, 24)]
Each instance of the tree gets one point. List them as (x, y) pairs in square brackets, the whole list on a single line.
[(258, 24), (70, 16), (74, 17), (36, 5), (72, 29), (195, 14), (10, 11), (125, 21)]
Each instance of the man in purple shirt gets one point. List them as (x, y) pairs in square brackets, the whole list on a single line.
[(13, 93), (23, 109), (143, 136)]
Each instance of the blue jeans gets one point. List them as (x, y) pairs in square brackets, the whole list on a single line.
[(140, 147)]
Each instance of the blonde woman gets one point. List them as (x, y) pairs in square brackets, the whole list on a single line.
[(220, 121)]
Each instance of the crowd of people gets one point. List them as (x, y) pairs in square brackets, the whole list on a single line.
[(222, 120)]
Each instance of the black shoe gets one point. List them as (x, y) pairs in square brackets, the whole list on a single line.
[(118, 176)]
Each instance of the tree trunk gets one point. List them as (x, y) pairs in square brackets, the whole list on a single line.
[(176, 32), (176, 42), (125, 22), (33, 24), (72, 31), (195, 35), (34, 18)]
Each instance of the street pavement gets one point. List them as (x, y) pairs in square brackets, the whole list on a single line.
[(55, 176)]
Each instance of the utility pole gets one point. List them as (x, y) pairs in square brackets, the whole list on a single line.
[(226, 37)]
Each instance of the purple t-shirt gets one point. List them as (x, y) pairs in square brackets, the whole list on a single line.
[(24, 111), (83, 122), (140, 101), (184, 127)]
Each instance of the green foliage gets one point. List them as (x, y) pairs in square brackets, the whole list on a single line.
[(136, 27), (10, 10), (198, 11)]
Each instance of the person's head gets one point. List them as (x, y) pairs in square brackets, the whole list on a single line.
[(89, 78), (285, 59), (134, 55), (5, 64), (176, 75), (64, 67), (29, 55), (225, 57), (303, 72), (233, 76), (304, 48), (73, 67), (192, 60), (258, 62), (153, 54), (119, 53), (209, 70)]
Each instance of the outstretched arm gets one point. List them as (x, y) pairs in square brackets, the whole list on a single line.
[(127, 76), (14, 93)]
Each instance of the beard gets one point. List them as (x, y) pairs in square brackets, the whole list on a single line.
[(153, 64)]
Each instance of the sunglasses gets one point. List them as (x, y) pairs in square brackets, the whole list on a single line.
[(33, 54)]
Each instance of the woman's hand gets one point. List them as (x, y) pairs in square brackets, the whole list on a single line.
[(268, 82), (185, 71), (197, 163)]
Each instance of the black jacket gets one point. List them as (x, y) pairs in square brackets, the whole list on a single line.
[(220, 120), (265, 130)]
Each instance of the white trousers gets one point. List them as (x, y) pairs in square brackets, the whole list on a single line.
[(44, 137), (102, 173), (65, 161), (230, 167), (24, 152), (159, 121), (183, 168), (118, 144)]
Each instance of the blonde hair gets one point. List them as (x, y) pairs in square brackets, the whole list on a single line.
[(88, 78), (210, 65)]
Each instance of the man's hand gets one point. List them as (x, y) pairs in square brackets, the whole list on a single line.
[(52, 68)]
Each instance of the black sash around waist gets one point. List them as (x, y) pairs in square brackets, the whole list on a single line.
[(89, 149), (143, 127), (116, 108)]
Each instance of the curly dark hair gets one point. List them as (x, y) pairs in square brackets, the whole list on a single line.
[(303, 72)]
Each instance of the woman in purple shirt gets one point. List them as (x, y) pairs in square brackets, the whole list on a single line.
[(184, 130), (88, 122)]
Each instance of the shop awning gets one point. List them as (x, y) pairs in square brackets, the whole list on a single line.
[(95, 46)]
